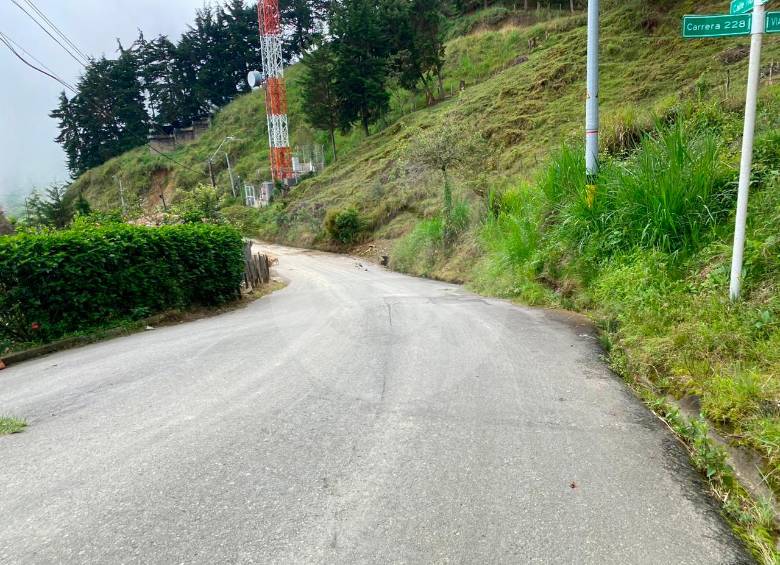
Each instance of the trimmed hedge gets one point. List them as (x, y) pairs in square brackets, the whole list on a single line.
[(55, 283)]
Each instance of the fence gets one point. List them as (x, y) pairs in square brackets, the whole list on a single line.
[(257, 268)]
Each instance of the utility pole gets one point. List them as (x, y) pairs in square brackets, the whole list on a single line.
[(592, 105), (211, 175), (232, 179), (211, 160), (754, 78)]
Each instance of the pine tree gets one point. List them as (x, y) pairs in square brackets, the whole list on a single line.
[(156, 65), (417, 42), (360, 69), (68, 137), (304, 24), (318, 87), (428, 40), (107, 117), (53, 211)]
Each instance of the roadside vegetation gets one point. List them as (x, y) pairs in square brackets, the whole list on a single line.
[(11, 425), (88, 277), (485, 186)]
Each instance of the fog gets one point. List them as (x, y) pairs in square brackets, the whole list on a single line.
[(29, 157)]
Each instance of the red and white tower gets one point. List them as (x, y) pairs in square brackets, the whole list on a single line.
[(270, 23)]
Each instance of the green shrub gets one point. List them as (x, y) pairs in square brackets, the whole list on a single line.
[(243, 218), (55, 283), (344, 225), (202, 204)]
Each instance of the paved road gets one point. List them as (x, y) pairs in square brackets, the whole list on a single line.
[(357, 416)]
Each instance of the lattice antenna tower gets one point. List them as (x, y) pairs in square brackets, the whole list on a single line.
[(270, 21)]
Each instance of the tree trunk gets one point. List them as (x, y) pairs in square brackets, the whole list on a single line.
[(525, 5), (571, 5), (441, 83)]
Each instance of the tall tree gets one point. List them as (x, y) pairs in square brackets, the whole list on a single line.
[(156, 64), (304, 25), (417, 42), (318, 87), (361, 65), (107, 117)]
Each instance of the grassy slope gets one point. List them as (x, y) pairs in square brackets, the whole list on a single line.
[(525, 108), (665, 320)]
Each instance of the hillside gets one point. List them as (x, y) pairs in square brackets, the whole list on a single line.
[(646, 255), (525, 101)]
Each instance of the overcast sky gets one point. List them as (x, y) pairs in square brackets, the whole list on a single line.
[(29, 157)]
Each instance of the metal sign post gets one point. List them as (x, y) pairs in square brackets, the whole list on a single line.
[(741, 6), (754, 77), (740, 22), (592, 106)]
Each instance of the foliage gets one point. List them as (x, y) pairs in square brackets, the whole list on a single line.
[(420, 249), (318, 91), (158, 83), (304, 22), (446, 148), (54, 283), (668, 195), (11, 425), (53, 211), (203, 204), (107, 117), (6, 228), (343, 226), (360, 67), (417, 38)]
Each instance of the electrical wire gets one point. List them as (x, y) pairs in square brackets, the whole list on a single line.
[(68, 85), (9, 43), (83, 63), (5, 40), (57, 30), (203, 174)]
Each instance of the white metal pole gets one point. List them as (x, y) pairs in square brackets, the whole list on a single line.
[(754, 77), (232, 180), (592, 106)]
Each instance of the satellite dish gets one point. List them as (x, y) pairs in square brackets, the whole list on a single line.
[(255, 79)]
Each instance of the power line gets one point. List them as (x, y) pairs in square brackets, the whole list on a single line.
[(83, 63), (57, 30), (34, 58), (202, 173), (7, 42)]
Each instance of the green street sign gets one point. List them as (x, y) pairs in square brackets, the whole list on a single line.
[(773, 22), (741, 7), (716, 26)]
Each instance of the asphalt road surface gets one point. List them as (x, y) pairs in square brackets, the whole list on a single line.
[(357, 416)]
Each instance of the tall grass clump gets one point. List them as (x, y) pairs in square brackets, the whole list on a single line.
[(417, 252), (511, 237), (668, 195)]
